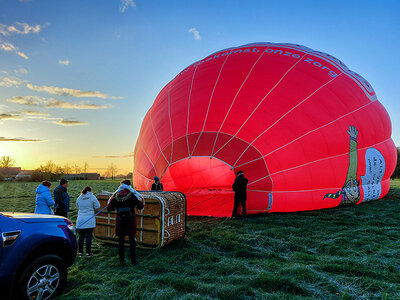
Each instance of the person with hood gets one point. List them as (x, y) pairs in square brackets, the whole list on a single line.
[(61, 198), (240, 189), (124, 200), (86, 203), (157, 185), (44, 201)]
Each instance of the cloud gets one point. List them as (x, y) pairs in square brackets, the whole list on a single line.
[(19, 28), (65, 122), (130, 154), (196, 33), (18, 139), (21, 70), (9, 116), (64, 62), (125, 4), (7, 46), (69, 92), (26, 100), (33, 113), (55, 103), (24, 1), (10, 81)]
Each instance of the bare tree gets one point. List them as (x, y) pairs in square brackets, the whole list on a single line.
[(66, 168), (85, 167), (112, 170), (6, 161), (76, 168)]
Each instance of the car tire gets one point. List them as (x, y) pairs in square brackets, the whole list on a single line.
[(43, 278)]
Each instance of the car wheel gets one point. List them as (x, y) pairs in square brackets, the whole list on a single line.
[(43, 278)]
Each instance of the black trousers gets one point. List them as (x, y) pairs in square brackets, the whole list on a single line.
[(132, 247), (242, 202), (85, 234), (61, 213)]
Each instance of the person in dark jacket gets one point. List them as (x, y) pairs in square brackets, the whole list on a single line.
[(61, 198), (125, 201), (157, 185), (240, 189)]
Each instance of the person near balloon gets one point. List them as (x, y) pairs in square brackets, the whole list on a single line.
[(125, 200), (86, 203), (157, 185), (44, 200), (240, 189), (61, 198)]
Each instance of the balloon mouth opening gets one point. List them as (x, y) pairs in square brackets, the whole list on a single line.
[(206, 182)]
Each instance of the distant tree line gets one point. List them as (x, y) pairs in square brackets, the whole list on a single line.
[(52, 171)]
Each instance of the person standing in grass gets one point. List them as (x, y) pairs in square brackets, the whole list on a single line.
[(240, 189), (125, 200), (61, 198), (86, 203), (44, 201), (157, 185)]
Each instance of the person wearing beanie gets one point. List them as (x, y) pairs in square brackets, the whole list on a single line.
[(240, 189), (124, 201), (61, 198), (157, 185)]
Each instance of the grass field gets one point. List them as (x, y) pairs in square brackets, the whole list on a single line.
[(344, 253)]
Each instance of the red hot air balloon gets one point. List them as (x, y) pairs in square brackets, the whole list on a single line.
[(307, 132)]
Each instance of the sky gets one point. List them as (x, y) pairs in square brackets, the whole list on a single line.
[(77, 77)]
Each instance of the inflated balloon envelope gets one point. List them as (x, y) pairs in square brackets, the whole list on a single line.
[(307, 132)]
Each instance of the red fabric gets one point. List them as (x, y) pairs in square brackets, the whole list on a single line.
[(280, 113)]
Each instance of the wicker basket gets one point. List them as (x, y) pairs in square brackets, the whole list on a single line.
[(162, 220)]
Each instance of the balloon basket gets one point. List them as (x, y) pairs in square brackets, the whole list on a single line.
[(160, 222)]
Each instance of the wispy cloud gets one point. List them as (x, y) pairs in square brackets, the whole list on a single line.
[(125, 4), (9, 116), (9, 47), (10, 81), (21, 70), (130, 154), (18, 139), (69, 92), (55, 103), (19, 28), (64, 62), (69, 105), (65, 122), (33, 113), (36, 115), (196, 33)]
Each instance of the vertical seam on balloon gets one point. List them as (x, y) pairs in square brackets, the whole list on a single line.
[(285, 114), (142, 175), (321, 159), (158, 143), (149, 159), (188, 114), (234, 99), (361, 107), (262, 100), (209, 104), (170, 122)]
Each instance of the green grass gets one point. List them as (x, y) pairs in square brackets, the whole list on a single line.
[(344, 253)]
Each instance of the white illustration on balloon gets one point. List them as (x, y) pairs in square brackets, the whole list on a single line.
[(374, 170)]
